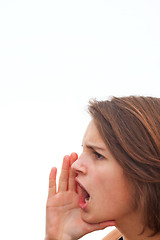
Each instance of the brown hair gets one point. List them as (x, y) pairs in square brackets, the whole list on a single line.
[(130, 127)]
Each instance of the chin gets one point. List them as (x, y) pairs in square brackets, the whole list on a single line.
[(90, 218), (94, 218)]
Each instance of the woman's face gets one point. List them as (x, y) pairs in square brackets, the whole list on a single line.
[(110, 194)]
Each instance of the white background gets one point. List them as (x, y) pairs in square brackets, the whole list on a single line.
[(54, 57)]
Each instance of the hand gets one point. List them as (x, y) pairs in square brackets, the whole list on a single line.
[(63, 214)]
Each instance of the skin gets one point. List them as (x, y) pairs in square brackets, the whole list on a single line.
[(111, 195), (63, 214), (103, 178)]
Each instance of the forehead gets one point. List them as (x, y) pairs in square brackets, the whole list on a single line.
[(92, 135)]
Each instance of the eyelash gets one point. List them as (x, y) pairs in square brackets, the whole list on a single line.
[(98, 155)]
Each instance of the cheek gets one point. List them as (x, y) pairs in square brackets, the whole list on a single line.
[(111, 199), (112, 190)]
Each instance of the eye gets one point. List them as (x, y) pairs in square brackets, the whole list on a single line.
[(98, 155)]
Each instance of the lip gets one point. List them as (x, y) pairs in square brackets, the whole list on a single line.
[(81, 185), (82, 204)]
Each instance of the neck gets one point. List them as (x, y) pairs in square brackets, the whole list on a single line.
[(131, 229)]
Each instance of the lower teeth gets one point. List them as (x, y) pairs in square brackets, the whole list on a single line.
[(86, 199)]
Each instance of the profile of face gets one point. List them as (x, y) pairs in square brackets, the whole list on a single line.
[(109, 193)]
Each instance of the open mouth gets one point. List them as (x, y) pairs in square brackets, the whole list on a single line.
[(84, 195)]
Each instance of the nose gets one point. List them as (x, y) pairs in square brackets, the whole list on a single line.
[(78, 166)]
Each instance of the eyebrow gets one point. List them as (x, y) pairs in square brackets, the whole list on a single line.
[(93, 147)]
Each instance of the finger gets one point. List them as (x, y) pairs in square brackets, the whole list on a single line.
[(63, 180), (52, 182), (72, 174)]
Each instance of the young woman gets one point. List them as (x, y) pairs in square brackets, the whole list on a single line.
[(116, 179)]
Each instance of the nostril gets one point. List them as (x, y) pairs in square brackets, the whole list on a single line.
[(79, 169)]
